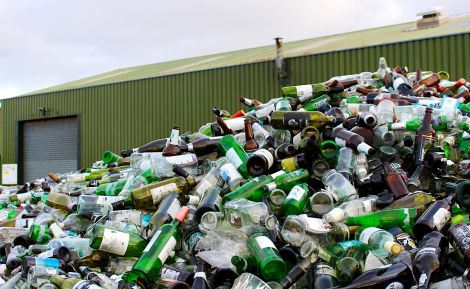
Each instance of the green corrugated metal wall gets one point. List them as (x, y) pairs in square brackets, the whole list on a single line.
[(125, 115)]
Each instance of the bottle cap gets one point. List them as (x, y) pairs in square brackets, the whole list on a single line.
[(393, 247), (182, 213)]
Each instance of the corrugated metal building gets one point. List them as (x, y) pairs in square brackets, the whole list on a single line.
[(70, 125)]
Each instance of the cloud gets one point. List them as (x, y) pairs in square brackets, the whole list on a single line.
[(49, 42)]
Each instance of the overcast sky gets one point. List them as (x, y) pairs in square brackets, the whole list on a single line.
[(49, 42)]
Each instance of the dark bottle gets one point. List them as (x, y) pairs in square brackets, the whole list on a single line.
[(153, 146), (225, 129), (367, 119), (284, 151), (96, 259), (169, 272), (201, 147), (459, 236), (168, 284), (395, 182), (404, 239), (430, 257), (200, 280), (211, 202), (435, 218), (352, 140), (260, 162), (424, 136), (172, 148), (295, 274), (250, 144), (324, 276), (397, 275), (454, 265)]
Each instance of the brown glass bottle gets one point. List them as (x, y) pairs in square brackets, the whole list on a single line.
[(225, 129), (153, 146), (396, 184), (201, 147), (250, 144), (424, 136), (352, 140)]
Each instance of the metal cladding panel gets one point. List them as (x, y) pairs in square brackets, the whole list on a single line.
[(49, 145), (128, 114)]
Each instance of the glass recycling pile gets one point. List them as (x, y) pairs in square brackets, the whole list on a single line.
[(361, 181)]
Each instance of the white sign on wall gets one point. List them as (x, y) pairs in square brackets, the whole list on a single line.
[(9, 174)]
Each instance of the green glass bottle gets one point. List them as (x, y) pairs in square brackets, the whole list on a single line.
[(147, 197), (111, 189), (293, 120), (41, 234), (314, 104), (253, 190), (287, 181), (305, 91), (157, 251), (116, 242), (271, 266), (296, 200), (386, 219), (110, 157), (229, 147)]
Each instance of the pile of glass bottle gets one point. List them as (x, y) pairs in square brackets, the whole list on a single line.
[(357, 182)]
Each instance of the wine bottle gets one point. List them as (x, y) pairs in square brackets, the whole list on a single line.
[(116, 242), (200, 279), (459, 236), (435, 218), (324, 276), (157, 251), (298, 119), (296, 200), (380, 242), (235, 153), (430, 257), (386, 219)]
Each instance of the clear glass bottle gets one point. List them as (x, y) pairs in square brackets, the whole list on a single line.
[(339, 185)]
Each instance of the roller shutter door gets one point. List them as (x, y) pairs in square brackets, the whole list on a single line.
[(49, 146)]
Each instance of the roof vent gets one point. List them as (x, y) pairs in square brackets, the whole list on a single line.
[(431, 18)]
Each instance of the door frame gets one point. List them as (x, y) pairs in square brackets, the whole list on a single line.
[(19, 158)]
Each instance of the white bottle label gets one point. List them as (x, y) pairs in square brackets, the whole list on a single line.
[(23, 223), (267, 155), (395, 285), (304, 90), (228, 172), (365, 235), (160, 192), (169, 246), (114, 242), (426, 250), (296, 193), (440, 218), (265, 242), (152, 241), (170, 274), (107, 200), (181, 159), (325, 270), (174, 208), (367, 206), (234, 158)]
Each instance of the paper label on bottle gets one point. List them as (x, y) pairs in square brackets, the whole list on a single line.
[(234, 158), (296, 193), (200, 275), (166, 250), (440, 218), (325, 270), (367, 206), (181, 159), (114, 242), (160, 192), (202, 187), (52, 271), (127, 216), (265, 111), (174, 208), (170, 274), (395, 285), (426, 250), (23, 223), (304, 90), (235, 124), (366, 233), (265, 242), (406, 241), (267, 155), (107, 200), (46, 254), (229, 173)]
